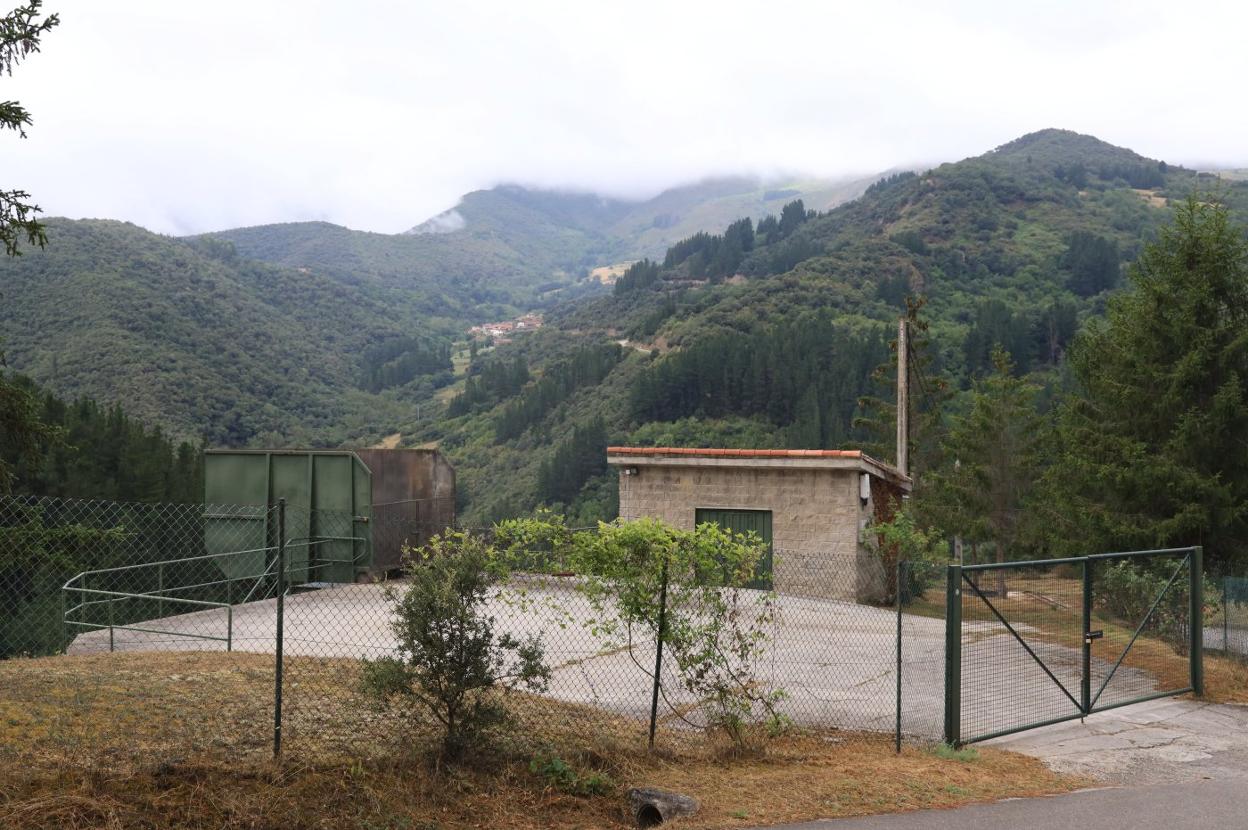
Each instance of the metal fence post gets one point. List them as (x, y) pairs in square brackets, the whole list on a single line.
[(1196, 624), (901, 567), (1085, 696), (658, 653), (953, 655), (277, 648)]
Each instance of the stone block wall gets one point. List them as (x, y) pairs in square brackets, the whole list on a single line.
[(817, 518)]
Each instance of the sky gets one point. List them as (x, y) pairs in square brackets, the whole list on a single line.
[(187, 116)]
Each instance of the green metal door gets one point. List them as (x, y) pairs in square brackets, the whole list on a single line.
[(744, 521)]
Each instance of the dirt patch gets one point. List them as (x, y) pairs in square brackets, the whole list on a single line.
[(180, 740), (390, 442), (1152, 197)]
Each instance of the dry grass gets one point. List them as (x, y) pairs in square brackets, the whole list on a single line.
[(182, 740), (1048, 609)]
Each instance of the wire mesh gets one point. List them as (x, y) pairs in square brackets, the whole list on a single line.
[(1226, 630), (1141, 606), (1043, 642), (831, 658), (156, 630), (119, 625), (1022, 639)]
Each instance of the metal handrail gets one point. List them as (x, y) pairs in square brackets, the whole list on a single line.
[(114, 596), (179, 561), (77, 583)]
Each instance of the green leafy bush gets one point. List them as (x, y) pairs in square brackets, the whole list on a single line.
[(451, 660), (1126, 590), (714, 630), (901, 539)]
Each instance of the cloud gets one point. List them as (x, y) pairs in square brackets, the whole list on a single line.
[(193, 116)]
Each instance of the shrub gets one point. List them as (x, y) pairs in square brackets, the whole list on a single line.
[(714, 630), (900, 538), (1127, 590), (450, 658)]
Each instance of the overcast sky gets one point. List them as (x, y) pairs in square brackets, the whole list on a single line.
[(195, 115)]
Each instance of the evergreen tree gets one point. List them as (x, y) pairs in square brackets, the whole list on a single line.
[(991, 462), (804, 375), (1093, 262), (22, 434), (640, 275), (1153, 448), (792, 215), (21, 31), (88, 451), (574, 462)]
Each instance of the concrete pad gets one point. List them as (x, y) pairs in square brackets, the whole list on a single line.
[(834, 659), (1177, 739)]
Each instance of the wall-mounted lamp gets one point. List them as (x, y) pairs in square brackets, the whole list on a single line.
[(864, 488), (630, 471)]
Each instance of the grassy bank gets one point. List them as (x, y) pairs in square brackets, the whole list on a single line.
[(182, 741)]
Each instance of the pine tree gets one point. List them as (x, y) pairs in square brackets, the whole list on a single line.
[(1153, 448), (991, 463)]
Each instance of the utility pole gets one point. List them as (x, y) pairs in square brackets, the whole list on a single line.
[(903, 397)]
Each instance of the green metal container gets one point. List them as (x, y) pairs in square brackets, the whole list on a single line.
[(328, 507)]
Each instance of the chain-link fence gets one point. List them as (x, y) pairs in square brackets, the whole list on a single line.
[(141, 631), (1226, 629), (824, 661)]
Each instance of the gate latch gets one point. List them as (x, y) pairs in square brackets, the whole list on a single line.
[(1093, 635)]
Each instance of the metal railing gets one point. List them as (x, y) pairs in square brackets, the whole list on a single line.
[(78, 585), (73, 613)]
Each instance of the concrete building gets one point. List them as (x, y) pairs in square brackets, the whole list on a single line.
[(811, 505)]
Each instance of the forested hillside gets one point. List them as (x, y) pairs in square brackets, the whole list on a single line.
[(511, 247), (768, 333), (93, 452), (761, 331), (342, 334), (189, 335)]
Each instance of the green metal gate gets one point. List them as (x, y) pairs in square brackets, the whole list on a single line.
[(1030, 644), (744, 521)]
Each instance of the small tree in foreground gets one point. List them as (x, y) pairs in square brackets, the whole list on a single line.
[(715, 631), (452, 660)]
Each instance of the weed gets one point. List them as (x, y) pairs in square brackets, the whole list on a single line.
[(562, 776), (966, 754)]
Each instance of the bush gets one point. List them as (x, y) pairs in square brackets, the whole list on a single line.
[(1127, 590), (900, 538), (714, 630), (451, 660)]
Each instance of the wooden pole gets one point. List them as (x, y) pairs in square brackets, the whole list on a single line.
[(903, 398)]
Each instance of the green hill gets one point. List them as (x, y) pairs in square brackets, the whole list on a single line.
[(301, 333), (761, 332), (511, 246), (188, 335), (773, 344)]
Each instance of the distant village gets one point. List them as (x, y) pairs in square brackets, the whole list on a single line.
[(502, 331)]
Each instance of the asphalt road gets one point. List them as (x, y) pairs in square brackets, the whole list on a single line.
[(1219, 804)]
